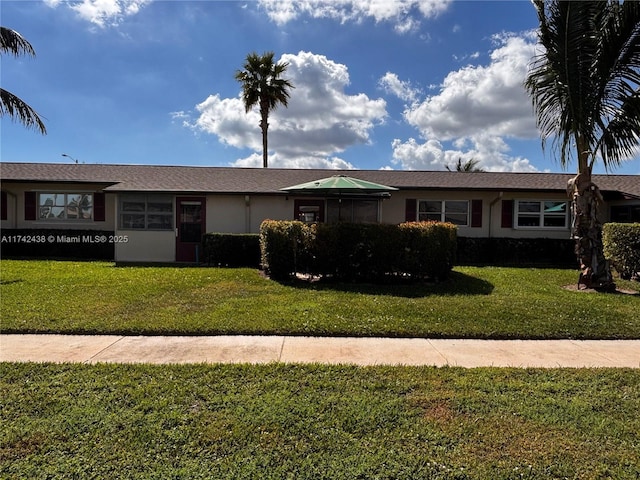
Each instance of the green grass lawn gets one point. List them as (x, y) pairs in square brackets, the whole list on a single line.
[(99, 298), (317, 422)]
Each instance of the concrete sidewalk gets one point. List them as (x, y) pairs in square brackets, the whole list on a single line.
[(330, 350)]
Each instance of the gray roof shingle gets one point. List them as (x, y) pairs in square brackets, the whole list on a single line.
[(156, 178)]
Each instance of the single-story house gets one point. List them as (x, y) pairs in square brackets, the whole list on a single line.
[(159, 213)]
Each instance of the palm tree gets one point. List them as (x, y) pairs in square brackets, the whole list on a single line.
[(13, 43), (470, 165), (262, 85), (585, 93)]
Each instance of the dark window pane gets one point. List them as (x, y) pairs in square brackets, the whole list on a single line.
[(528, 221), (456, 218), (159, 222), (528, 207), (133, 221), (129, 206), (550, 221)]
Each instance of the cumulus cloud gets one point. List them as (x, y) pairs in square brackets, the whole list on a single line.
[(491, 153), (479, 99), (403, 14), (476, 108), (321, 120), (390, 83), (276, 160), (102, 13)]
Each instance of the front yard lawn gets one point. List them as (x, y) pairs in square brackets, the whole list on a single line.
[(100, 298), (317, 422)]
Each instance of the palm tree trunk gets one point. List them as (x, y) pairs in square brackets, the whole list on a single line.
[(586, 229), (264, 125)]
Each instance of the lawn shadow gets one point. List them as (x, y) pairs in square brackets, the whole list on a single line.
[(457, 284)]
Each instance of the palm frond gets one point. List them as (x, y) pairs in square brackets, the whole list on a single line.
[(582, 86), (20, 111), (13, 43)]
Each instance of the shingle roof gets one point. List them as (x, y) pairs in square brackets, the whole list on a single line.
[(120, 178)]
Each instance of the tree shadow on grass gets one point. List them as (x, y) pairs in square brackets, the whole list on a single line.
[(457, 284)]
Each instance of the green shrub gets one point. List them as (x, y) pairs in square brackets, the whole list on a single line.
[(348, 251), (429, 248), (622, 247), (284, 247), (232, 250), (554, 252)]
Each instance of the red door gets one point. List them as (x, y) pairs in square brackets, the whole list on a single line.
[(190, 228)]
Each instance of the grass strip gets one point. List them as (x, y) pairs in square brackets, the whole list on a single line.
[(315, 422), (476, 302)]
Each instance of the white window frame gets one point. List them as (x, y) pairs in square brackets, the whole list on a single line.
[(443, 211), (540, 215), (145, 215), (64, 205)]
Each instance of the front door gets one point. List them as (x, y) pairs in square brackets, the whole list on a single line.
[(190, 228)]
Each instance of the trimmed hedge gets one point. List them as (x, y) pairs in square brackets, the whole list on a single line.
[(348, 251), (551, 252), (283, 247), (232, 250), (622, 247)]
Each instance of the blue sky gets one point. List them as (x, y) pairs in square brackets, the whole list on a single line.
[(379, 84)]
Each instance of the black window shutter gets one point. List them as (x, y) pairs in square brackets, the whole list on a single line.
[(30, 205), (476, 213), (410, 210), (507, 214), (3, 205), (98, 207)]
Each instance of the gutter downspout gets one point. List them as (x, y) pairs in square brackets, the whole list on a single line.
[(491, 205)]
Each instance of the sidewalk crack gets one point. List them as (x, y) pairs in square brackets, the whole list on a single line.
[(90, 359), (284, 338), (446, 360)]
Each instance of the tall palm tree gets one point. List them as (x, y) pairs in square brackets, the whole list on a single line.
[(585, 93), (13, 43), (470, 165), (262, 85)]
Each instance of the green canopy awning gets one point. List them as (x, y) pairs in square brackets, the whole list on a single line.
[(340, 185)]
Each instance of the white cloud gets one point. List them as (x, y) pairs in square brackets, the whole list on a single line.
[(481, 99), (390, 83), (404, 14), (276, 160), (102, 13), (320, 121), (477, 107), (491, 153)]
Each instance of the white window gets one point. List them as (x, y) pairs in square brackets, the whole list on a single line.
[(452, 211), (146, 212), (65, 206), (541, 214)]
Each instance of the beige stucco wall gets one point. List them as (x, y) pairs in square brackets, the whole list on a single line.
[(145, 246), (245, 213), (15, 206)]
